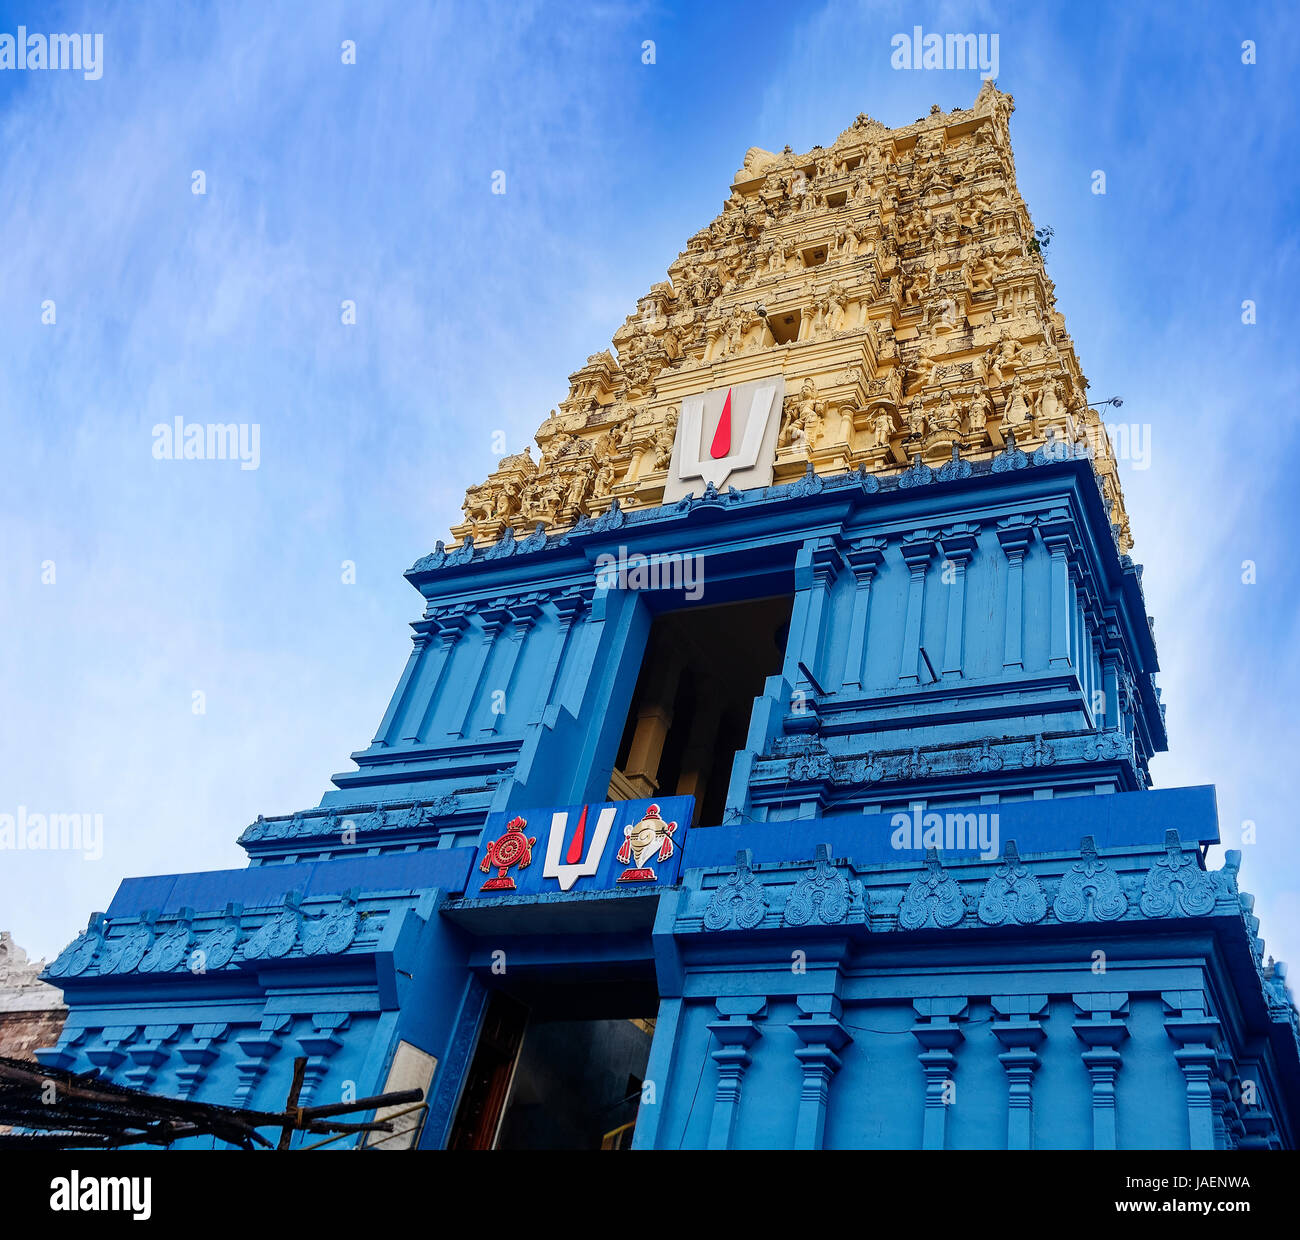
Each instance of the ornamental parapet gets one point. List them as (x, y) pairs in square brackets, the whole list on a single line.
[(618, 516), (940, 892)]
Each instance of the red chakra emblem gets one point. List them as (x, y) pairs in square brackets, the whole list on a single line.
[(651, 837), (513, 848)]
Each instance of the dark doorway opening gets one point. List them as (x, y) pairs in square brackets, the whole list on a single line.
[(490, 1071), (577, 1084), (557, 1066), (703, 668)]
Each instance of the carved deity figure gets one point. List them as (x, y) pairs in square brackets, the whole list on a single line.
[(1008, 355), (924, 368), (1017, 410), (1050, 405), (983, 271), (560, 446), (839, 308), (579, 484), (915, 288), (976, 208), (804, 416), (945, 314), (946, 417), (916, 420), (506, 502), (605, 479), (663, 442), (883, 426)]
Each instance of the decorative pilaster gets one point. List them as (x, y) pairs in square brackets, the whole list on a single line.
[(1227, 1122), (568, 609), (523, 615), (1197, 1034), (1015, 538), (494, 620), (1101, 1029), (864, 557), (199, 1055), (319, 1045), (818, 1028), (1058, 536), (958, 547), (109, 1056), (260, 1045), (64, 1054), (1260, 1130), (149, 1054), (918, 549), (403, 692), (816, 569), (939, 1037), (449, 627), (736, 1032), (1021, 1033)]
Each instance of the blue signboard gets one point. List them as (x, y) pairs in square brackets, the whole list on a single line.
[(611, 844)]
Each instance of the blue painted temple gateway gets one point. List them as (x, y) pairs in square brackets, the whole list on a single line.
[(770, 764)]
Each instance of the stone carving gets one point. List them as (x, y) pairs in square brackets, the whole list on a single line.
[(334, 932), (917, 475), (276, 937), (77, 957), (934, 899), (955, 468), (124, 954), (535, 541), (867, 770), (740, 901), (810, 484), (1012, 895), (1010, 458), (1040, 753), (169, 948), (803, 419), (435, 559), (823, 260), (986, 760), (1108, 746), (504, 546), (1176, 885), (610, 519), (216, 949), (1090, 890), (813, 765), (821, 897)]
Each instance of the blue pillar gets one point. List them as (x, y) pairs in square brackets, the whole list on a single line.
[(918, 549), (1101, 1030), (736, 1032), (1015, 538), (864, 557), (958, 546)]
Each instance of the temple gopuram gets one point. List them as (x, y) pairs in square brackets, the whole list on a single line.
[(770, 765)]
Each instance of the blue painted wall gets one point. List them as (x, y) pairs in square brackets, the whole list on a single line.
[(968, 639)]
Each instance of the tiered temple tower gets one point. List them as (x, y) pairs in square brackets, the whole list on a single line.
[(828, 563)]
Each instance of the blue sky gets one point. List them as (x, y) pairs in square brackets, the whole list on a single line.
[(372, 182)]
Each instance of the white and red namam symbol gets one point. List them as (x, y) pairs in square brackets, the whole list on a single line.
[(640, 841), (513, 848)]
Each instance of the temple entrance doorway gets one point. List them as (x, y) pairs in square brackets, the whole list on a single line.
[(558, 1066)]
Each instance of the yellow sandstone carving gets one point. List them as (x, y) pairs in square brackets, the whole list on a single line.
[(891, 277)]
